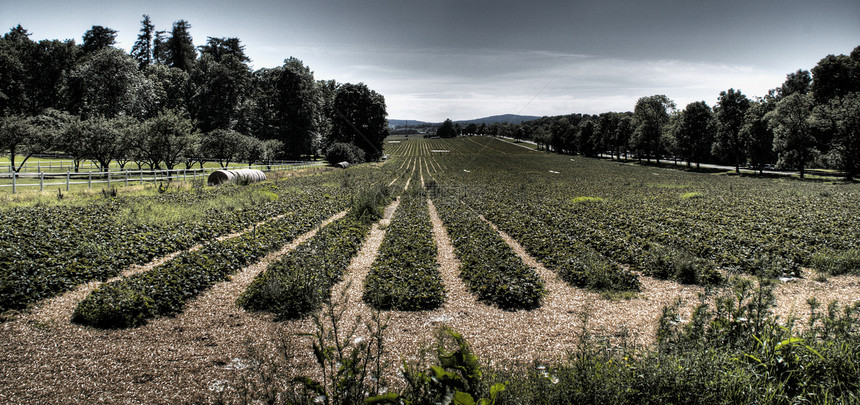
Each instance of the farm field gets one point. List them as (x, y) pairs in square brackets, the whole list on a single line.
[(133, 299)]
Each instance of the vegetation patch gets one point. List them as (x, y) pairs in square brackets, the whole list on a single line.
[(583, 200), (301, 281), (164, 290), (405, 275), (489, 267), (837, 263), (691, 195)]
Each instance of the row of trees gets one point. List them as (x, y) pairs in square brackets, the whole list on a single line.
[(813, 118), (94, 101)]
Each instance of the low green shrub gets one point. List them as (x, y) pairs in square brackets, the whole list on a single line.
[(344, 152), (302, 280), (673, 264)]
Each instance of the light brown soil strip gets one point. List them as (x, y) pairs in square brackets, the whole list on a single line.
[(60, 308), (791, 295), (421, 172)]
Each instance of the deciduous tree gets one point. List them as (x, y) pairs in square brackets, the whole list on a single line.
[(446, 130), (360, 119), (841, 116), (651, 115), (166, 139), (729, 112), (109, 84), (694, 135), (757, 134), (793, 140)]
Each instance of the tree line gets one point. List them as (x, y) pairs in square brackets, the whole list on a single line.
[(811, 120), (168, 102)]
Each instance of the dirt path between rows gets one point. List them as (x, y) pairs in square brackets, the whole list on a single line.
[(182, 359), (61, 307), (203, 351)]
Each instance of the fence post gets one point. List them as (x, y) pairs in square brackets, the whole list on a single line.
[(90, 180), (108, 178), (141, 176), (39, 167), (68, 177), (126, 177), (13, 181), (41, 181)]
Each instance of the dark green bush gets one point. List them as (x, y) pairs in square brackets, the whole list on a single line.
[(344, 152)]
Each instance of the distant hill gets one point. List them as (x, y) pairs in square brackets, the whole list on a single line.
[(509, 118), (404, 123)]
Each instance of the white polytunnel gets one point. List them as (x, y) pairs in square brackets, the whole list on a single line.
[(236, 176)]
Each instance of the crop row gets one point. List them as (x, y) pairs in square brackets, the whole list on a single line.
[(489, 267), (405, 275), (165, 289), (45, 251), (665, 223), (302, 280)]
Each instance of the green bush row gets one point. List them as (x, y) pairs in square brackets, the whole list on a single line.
[(302, 280), (561, 251), (489, 266), (405, 275), (164, 290), (45, 251)]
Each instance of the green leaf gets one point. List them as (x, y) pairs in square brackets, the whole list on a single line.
[(463, 398), (789, 341)]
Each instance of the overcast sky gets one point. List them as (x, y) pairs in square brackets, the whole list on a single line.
[(472, 58)]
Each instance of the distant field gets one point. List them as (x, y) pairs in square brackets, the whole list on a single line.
[(196, 293)]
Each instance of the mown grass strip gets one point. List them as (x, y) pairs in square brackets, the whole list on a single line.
[(302, 280), (489, 267), (405, 275), (164, 290)]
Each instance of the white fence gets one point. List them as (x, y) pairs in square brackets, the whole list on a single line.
[(128, 177)]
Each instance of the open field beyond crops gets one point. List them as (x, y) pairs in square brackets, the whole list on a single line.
[(202, 294)]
